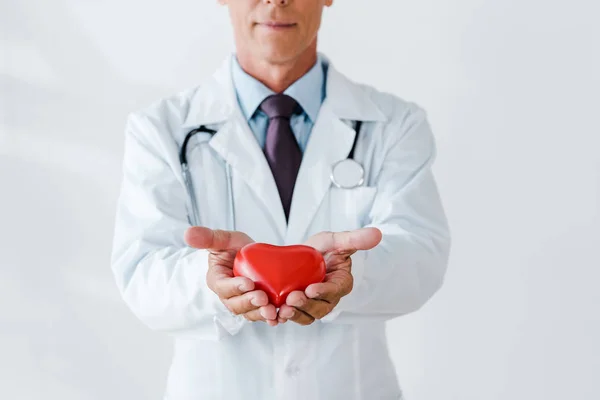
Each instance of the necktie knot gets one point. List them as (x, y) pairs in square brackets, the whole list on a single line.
[(279, 105)]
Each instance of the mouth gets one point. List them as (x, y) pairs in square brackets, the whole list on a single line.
[(277, 26)]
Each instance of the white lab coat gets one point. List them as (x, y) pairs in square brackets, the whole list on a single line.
[(220, 356)]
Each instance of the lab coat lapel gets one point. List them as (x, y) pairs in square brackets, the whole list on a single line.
[(215, 102), (237, 145), (330, 141)]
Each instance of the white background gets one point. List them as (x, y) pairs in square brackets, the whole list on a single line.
[(512, 92)]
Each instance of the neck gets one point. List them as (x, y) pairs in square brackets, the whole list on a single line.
[(278, 76)]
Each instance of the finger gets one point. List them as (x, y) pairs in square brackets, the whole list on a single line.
[(226, 287), (338, 263), (246, 302), (345, 242), (315, 309), (254, 316), (286, 312), (205, 238), (296, 298), (324, 291), (336, 285), (268, 312), (218, 271), (301, 318), (338, 260), (265, 313)]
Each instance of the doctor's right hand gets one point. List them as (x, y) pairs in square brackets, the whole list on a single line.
[(236, 293)]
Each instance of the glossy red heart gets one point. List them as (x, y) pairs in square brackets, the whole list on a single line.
[(279, 270)]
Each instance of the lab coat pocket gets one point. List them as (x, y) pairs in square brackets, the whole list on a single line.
[(349, 208)]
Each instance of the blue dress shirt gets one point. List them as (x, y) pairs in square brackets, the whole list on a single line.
[(308, 91)]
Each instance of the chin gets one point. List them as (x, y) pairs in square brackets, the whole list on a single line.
[(279, 55)]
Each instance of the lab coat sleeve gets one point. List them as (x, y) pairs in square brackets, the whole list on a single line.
[(408, 266), (161, 279)]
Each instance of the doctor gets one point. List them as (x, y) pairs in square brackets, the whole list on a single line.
[(276, 117)]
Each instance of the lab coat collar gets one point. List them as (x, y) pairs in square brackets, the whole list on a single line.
[(347, 99), (214, 101)]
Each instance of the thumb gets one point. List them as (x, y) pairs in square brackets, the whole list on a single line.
[(358, 239), (201, 237)]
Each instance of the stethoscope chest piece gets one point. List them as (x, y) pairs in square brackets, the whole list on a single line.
[(347, 174)]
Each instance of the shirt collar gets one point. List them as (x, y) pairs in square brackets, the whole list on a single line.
[(308, 91)]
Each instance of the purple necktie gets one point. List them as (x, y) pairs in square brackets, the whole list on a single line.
[(281, 149)]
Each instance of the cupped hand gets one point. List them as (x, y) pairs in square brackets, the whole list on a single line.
[(319, 299), (236, 293)]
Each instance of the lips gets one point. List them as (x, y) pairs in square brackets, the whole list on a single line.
[(277, 25)]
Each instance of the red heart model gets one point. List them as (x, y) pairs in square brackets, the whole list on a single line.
[(279, 270)]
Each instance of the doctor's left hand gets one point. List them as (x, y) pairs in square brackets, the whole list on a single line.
[(235, 292), (319, 299)]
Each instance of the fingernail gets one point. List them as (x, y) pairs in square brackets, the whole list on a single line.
[(263, 313), (243, 287), (254, 301)]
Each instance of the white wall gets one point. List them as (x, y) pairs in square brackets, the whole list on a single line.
[(511, 88)]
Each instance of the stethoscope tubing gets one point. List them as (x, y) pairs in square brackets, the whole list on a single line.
[(185, 170)]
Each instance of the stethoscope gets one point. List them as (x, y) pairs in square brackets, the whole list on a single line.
[(345, 174)]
